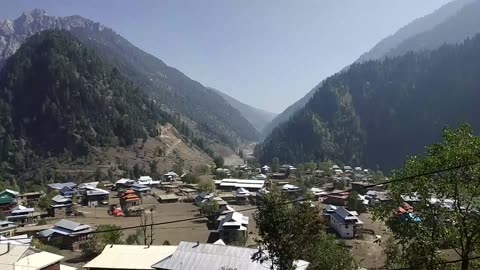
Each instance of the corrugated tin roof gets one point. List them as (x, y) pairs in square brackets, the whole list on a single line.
[(37, 261), (193, 256), (190, 256), (130, 257), (71, 225), (9, 257)]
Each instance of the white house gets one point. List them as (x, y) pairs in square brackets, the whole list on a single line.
[(147, 181), (290, 188), (170, 177), (233, 225), (344, 222), (242, 195), (234, 184)]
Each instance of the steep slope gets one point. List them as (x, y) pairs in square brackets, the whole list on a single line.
[(414, 36), (465, 23), (211, 113), (415, 28), (58, 99), (378, 112), (257, 117)]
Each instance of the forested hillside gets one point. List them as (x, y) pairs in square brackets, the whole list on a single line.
[(451, 23), (59, 99), (378, 112), (211, 114)]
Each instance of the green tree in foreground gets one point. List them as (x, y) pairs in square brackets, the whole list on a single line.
[(291, 233), (275, 164), (206, 186), (218, 161), (448, 204), (211, 210), (98, 241), (45, 201), (354, 203)]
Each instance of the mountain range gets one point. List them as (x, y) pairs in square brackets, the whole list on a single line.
[(257, 117), (390, 103), (450, 24), (211, 116)]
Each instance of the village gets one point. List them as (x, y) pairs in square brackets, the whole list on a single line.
[(216, 211)]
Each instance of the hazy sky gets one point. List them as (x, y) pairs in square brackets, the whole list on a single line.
[(267, 53)]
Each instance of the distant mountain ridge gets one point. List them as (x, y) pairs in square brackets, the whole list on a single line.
[(257, 117), (212, 115), (409, 37)]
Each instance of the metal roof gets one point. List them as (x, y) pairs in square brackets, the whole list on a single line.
[(71, 225), (9, 254), (193, 256), (196, 256), (37, 261), (130, 257), (59, 186)]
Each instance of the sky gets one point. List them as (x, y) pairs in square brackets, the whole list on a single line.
[(266, 53)]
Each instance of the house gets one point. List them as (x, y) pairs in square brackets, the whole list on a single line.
[(360, 187), (358, 170), (129, 257), (68, 192), (290, 188), (41, 261), (287, 169), (233, 226), (93, 197), (7, 228), (140, 189), (148, 181), (265, 169), (203, 197), (170, 177), (61, 207), (8, 200), (318, 192), (260, 176), (347, 168), (128, 199), (339, 199), (87, 185), (29, 199), (67, 234), (59, 186), (335, 167), (338, 172), (345, 223), (327, 211), (19, 240), (10, 254), (106, 184), (22, 215), (234, 184), (124, 183), (168, 198), (242, 196), (198, 256)]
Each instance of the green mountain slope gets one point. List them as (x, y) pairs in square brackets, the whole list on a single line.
[(56, 94), (257, 117), (378, 112), (451, 23)]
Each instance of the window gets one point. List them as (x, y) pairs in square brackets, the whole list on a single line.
[(346, 226)]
